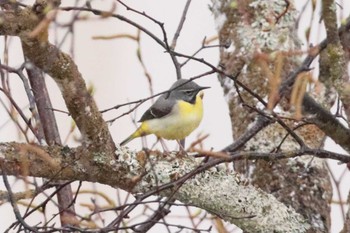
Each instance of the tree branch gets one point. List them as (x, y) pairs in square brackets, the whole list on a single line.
[(49, 126), (333, 70), (63, 70), (249, 208)]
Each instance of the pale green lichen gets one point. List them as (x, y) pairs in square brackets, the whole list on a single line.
[(80, 168), (333, 7), (127, 159), (234, 4), (216, 189), (99, 158), (264, 33)]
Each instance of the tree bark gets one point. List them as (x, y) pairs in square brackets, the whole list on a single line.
[(221, 193), (264, 47), (300, 187)]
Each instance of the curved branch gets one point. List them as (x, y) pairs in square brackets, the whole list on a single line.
[(63, 70), (249, 208), (187, 180)]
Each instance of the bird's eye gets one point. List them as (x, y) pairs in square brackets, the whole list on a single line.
[(188, 92)]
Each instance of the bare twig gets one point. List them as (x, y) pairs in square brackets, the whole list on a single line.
[(13, 202), (337, 188), (165, 45), (160, 213), (181, 23), (18, 109)]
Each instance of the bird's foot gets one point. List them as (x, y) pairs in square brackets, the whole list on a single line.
[(181, 153)]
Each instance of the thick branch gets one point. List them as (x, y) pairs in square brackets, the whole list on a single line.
[(264, 37), (333, 70), (244, 205), (63, 70), (49, 127), (327, 122)]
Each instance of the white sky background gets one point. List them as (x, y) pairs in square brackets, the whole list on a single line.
[(111, 66)]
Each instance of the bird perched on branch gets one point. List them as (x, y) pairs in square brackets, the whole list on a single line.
[(174, 115)]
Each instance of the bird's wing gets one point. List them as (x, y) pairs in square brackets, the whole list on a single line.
[(160, 108)]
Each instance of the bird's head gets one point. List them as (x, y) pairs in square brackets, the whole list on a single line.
[(186, 90)]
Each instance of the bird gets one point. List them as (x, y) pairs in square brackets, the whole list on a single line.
[(174, 115)]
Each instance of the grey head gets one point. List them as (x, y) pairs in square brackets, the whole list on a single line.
[(182, 89)]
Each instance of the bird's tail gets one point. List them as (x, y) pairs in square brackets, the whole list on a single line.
[(128, 139), (138, 133)]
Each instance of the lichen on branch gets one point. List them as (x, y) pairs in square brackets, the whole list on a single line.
[(64, 72)]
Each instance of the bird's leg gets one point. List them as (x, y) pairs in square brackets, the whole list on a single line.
[(154, 144), (182, 151), (182, 143), (165, 148)]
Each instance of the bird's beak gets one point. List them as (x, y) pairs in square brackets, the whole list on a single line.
[(202, 88), (201, 93)]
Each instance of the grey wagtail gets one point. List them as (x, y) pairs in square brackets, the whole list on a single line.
[(174, 115)]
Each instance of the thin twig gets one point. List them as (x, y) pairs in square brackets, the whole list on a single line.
[(18, 109), (337, 188), (160, 213), (13, 202), (181, 23), (165, 45)]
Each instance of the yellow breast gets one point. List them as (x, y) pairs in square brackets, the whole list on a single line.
[(184, 118)]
